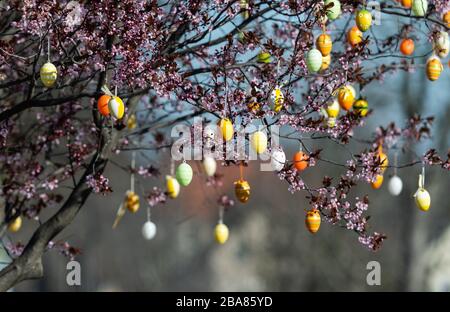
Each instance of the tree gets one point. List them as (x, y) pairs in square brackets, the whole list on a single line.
[(174, 61)]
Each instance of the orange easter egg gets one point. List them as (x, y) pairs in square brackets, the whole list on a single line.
[(300, 161), (354, 36), (312, 221), (324, 44), (102, 104), (377, 184), (407, 46)]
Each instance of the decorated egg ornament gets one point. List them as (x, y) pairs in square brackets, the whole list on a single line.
[(264, 57), (378, 182), (278, 159), (48, 74), (116, 107), (173, 187), (149, 230), (221, 233), (300, 161), (15, 225), (184, 174), (354, 36), (434, 68), (395, 185), (407, 46), (333, 109), (442, 44), (210, 165), (258, 141), (423, 198), (314, 60), (333, 9), (132, 202), (346, 97), (361, 107), (226, 128), (363, 20), (419, 7), (324, 44), (312, 221), (242, 190), (102, 104), (277, 99), (326, 61), (407, 3)]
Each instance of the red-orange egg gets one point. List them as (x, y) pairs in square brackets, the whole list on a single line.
[(102, 104), (300, 161), (407, 46)]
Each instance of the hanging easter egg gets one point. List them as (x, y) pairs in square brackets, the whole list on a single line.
[(378, 182), (331, 122), (149, 230), (419, 7), (132, 202), (446, 18), (407, 46), (244, 9), (264, 57), (48, 73), (15, 225), (226, 128), (346, 97), (116, 107), (442, 44), (278, 159), (131, 122), (395, 185), (333, 9), (253, 105), (102, 104), (277, 99), (363, 20), (434, 68), (384, 160), (221, 233), (242, 190), (210, 165), (314, 60), (361, 107), (354, 36), (407, 3), (333, 109), (184, 174), (173, 187), (312, 221), (326, 61), (423, 199), (258, 141), (324, 44), (300, 161)]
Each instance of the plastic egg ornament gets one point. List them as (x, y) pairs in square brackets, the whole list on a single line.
[(258, 141), (326, 61), (324, 44), (395, 185), (407, 3), (314, 60), (363, 20), (15, 225), (149, 230), (116, 107), (422, 197), (346, 97), (442, 44), (331, 122), (48, 73), (312, 221), (300, 161), (210, 165), (132, 202), (226, 128), (264, 57), (277, 99), (173, 187), (184, 174), (242, 190), (131, 122), (221, 233), (333, 109), (354, 36), (102, 104), (333, 9), (434, 68), (446, 18), (278, 159), (361, 107), (407, 46), (419, 7), (378, 182)]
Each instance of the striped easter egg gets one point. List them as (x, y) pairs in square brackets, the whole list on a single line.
[(361, 107), (333, 9), (434, 68), (314, 60), (324, 44), (419, 7), (184, 174), (277, 99), (48, 73), (116, 107), (312, 221)]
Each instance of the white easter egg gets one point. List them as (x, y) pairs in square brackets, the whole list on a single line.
[(149, 230), (278, 159), (210, 165), (395, 185)]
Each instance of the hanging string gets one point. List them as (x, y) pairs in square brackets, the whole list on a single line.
[(395, 163), (133, 167), (148, 213), (423, 175), (241, 170), (48, 47), (172, 166), (225, 106), (221, 211)]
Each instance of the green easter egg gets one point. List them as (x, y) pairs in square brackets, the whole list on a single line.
[(184, 174), (314, 60), (335, 11), (264, 57), (419, 7)]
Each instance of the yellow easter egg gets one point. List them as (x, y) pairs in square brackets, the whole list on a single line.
[(423, 199), (48, 74), (378, 182), (226, 128), (15, 225), (221, 233), (277, 99), (258, 141), (132, 202), (326, 61), (131, 122), (173, 187), (116, 107), (333, 109), (312, 221), (242, 190)]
